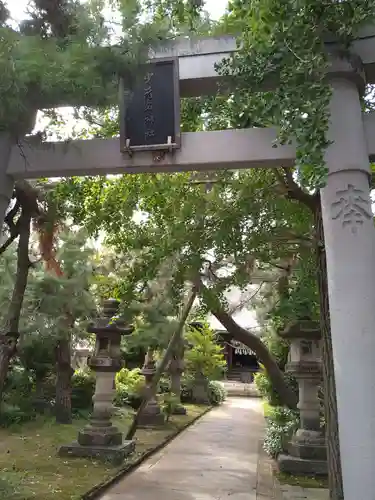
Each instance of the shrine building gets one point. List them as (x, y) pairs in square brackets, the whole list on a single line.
[(242, 362)]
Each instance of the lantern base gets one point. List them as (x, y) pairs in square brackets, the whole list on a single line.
[(179, 410), (152, 416), (200, 395), (100, 436), (301, 466), (309, 445), (151, 420), (112, 454)]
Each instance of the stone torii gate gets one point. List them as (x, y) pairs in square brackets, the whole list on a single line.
[(346, 205)]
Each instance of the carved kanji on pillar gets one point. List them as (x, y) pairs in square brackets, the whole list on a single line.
[(351, 208)]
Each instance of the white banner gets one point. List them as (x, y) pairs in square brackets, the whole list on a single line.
[(240, 348)]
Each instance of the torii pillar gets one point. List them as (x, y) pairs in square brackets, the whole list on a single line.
[(350, 250)]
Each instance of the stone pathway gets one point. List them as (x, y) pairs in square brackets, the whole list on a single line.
[(243, 389), (218, 458), (215, 459)]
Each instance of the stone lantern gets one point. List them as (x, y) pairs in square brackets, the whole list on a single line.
[(151, 416), (306, 451), (100, 438), (200, 389)]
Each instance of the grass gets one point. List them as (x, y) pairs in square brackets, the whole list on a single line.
[(30, 468), (303, 481)]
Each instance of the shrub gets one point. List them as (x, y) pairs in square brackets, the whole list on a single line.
[(6, 488), (37, 355), (277, 346), (169, 403), (266, 390), (281, 424), (129, 384), (10, 488), (14, 415), (164, 385), (132, 379), (83, 386), (122, 395), (18, 397), (216, 393), (19, 385)]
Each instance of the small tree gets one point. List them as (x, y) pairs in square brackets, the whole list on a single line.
[(205, 356)]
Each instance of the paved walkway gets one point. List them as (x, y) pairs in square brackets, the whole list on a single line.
[(243, 389), (220, 457), (215, 459)]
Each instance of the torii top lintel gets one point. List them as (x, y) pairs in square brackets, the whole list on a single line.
[(198, 57), (201, 151)]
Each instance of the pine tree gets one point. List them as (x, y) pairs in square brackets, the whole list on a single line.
[(55, 310), (62, 304)]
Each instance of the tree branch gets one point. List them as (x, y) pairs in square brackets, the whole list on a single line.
[(14, 234), (15, 307), (14, 228), (8, 219), (58, 14), (173, 343), (245, 301), (293, 191), (27, 196), (286, 394)]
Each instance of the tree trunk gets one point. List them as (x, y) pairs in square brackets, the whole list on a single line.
[(176, 384), (176, 367), (10, 334), (330, 402), (164, 361), (286, 394), (41, 402), (64, 372)]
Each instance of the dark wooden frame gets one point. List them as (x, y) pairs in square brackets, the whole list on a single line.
[(177, 114)]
